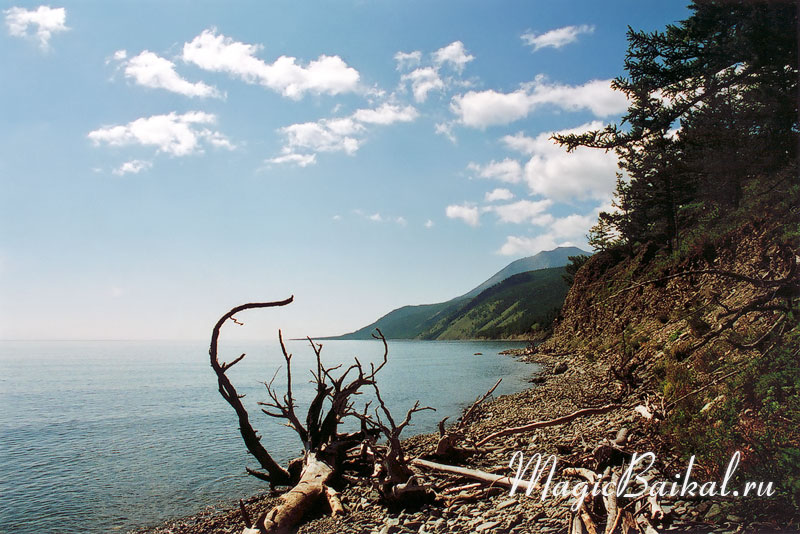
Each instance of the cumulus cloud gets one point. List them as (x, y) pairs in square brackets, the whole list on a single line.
[(386, 114), (429, 224), (480, 109), (326, 135), (40, 23), (423, 81), (498, 194), (174, 134), (343, 134), (407, 60), (573, 226), (217, 53), (301, 160), (555, 38), (523, 211), (134, 166), (565, 231), (454, 55), (508, 170), (525, 246), (554, 173), (150, 70), (467, 213)]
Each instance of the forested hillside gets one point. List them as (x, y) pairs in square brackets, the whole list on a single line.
[(504, 306), (691, 302)]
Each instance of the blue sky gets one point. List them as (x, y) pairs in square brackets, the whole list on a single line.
[(161, 162)]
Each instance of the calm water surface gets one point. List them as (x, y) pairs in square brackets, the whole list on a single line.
[(109, 435)]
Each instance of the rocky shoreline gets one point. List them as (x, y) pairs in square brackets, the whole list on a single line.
[(565, 384)]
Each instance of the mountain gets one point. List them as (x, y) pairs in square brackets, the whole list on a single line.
[(504, 303), (557, 257), (516, 307)]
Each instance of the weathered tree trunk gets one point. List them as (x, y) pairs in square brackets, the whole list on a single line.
[(324, 446), (295, 503)]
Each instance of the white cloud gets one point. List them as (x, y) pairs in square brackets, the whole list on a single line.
[(386, 114), (573, 226), (407, 60), (423, 81), (554, 173), (120, 55), (523, 211), (326, 135), (178, 135), (469, 214), (555, 38), (151, 70), (218, 53), (343, 134), (301, 160), (41, 23), (480, 109), (134, 166), (337, 217), (508, 170), (498, 194), (485, 108), (429, 224), (566, 231), (453, 54), (519, 246), (378, 217), (446, 129)]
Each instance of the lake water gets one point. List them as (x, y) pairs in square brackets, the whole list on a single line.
[(109, 435)]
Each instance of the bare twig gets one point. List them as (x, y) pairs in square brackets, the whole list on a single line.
[(552, 422)]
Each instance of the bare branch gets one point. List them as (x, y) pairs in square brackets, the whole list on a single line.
[(277, 474), (226, 366), (552, 422), (478, 401)]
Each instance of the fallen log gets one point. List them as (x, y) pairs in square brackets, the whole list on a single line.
[(552, 422), (298, 500), (474, 474)]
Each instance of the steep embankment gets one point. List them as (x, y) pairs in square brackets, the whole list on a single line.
[(706, 338)]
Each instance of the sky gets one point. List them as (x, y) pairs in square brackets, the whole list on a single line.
[(162, 162)]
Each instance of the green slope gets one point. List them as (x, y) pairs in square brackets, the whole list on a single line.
[(432, 321), (508, 309)]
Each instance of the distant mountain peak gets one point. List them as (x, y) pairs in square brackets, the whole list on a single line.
[(558, 257), (409, 322)]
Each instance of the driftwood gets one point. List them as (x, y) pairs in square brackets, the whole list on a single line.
[(324, 447), (275, 473), (474, 474), (552, 422), (617, 509), (447, 446)]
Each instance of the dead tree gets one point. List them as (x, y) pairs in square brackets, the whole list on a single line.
[(395, 480), (324, 447)]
